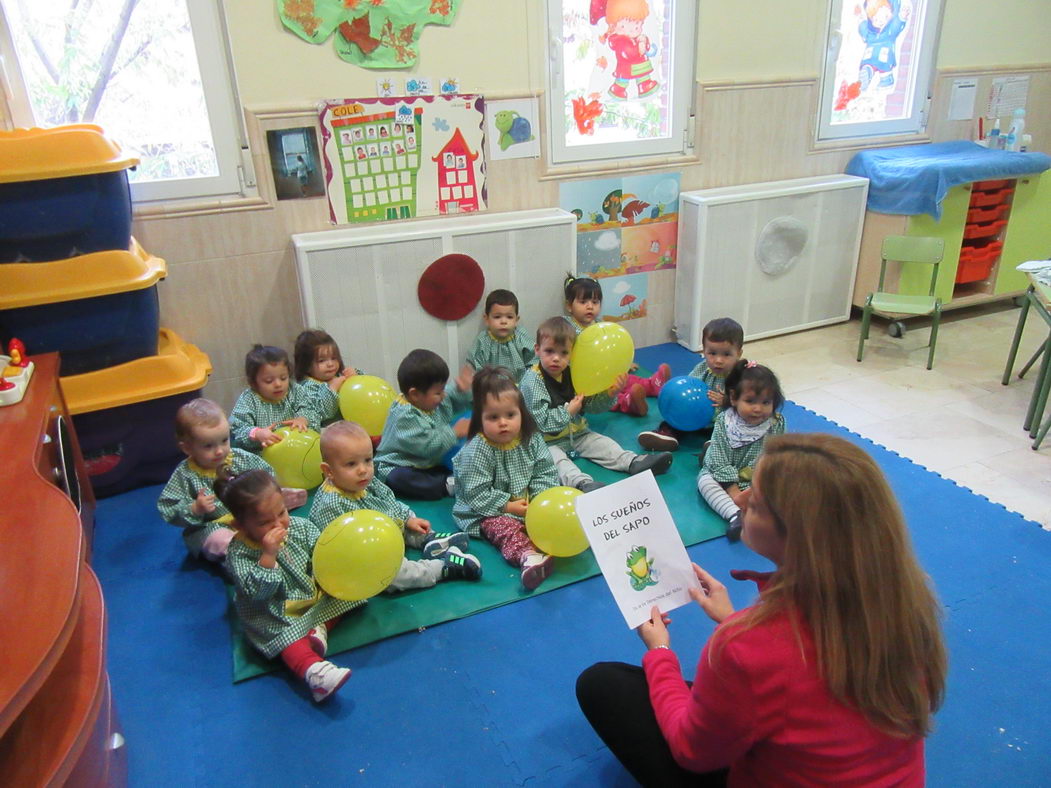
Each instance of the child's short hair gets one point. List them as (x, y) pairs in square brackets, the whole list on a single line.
[(723, 329), (261, 355), (242, 493), (558, 330), (750, 375), (582, 288), (421, 369), (337, 431), (305, 351), (494, 382), (198, 412), (502, 298)]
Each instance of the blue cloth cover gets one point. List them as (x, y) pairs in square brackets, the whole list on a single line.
[(914, 179)]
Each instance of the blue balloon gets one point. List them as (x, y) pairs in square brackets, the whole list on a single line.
[(447, 458), (684, 404)]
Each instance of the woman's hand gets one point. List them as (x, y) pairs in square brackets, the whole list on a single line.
[(711, 596), (654, 633)]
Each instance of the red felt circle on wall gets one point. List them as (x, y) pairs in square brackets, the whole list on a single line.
[(451, 287)]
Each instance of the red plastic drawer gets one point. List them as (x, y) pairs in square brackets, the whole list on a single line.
[(985, 199), (981, 254), (972, 271), (984, 230), (986, 214), (988, 186)]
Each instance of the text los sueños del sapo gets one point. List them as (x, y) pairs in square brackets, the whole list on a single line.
[(632, 513)]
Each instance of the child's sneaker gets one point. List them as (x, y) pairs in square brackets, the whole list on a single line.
[(535, 568), (293, 497), (318, 639), (437, 544), (324, 679), (656, 381), (659, 439), (734, 528), (590, 485), (457, 565), (658, 463)]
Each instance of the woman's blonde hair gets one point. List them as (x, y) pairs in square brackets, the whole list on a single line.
[(849, 573)]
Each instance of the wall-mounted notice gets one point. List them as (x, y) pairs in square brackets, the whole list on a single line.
[(637, 547), (1006, 95)]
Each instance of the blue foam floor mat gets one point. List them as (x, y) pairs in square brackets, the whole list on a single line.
[(488, 700)]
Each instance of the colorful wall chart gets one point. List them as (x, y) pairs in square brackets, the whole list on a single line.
[(397, 158)]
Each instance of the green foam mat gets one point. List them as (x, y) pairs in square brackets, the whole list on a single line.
[(387, 615)]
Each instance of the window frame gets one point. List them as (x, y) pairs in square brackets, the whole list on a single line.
[(915, 122), (229, 137), (680, 140)]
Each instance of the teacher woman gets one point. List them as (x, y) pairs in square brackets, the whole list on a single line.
[(830, 678)]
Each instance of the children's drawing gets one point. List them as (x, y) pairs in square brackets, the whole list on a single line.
[(374, 33), (417, 167)]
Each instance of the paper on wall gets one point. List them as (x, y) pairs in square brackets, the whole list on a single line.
[(637, 547)]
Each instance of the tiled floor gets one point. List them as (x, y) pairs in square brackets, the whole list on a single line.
[(955, 419)]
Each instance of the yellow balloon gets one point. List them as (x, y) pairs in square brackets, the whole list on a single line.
[(296, 458), (552, 523), (358, 554), (366, 400), (602, 352)]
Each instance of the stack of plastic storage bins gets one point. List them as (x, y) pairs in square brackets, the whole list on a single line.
[(73, 280), (983, 233)]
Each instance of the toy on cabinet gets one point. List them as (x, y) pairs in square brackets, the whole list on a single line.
[(17, 370)]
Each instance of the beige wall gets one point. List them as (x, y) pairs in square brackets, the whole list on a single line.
[(231, 275)]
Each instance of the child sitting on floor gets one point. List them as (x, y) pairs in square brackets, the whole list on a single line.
[(547, 388), (751, 413), (503, 466), (350, 484), (281, 609), (417, 433), (187, 501), (271, 400), (319, 367), (583, 306), (722, 342), (503, 343)]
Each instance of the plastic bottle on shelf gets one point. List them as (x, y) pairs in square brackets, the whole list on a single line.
[(1014, 134), (993, 140), (1027, 140)]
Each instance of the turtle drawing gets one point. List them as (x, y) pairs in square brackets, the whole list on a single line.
[(513, 128)]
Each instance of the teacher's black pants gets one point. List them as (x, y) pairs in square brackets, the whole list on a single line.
[(615, 698)]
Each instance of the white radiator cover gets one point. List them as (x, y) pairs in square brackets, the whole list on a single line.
[(721, 268), (359, 283)]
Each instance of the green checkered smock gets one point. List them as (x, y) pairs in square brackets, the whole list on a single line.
[(489, 475), (556, 423), (331, 502), (514, 353), (252, 411), (326, 401), (726, 464), (710, 379), (573, 322), (413, 438), (279, 606), (188, 479)]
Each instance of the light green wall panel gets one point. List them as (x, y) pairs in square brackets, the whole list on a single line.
[(1028, 231), (916, 279)]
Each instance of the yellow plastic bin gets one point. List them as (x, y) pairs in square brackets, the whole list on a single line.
[(97, 310), (63, 193), (125, 415)]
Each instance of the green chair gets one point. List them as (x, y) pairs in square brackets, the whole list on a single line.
[(906, 249)]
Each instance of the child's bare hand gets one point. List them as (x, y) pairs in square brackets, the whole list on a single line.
[(715, 397), (337, 382), (633, 367), (465, 378), (619, 383), (266, 436), (274, 540), (575, 405), (299, 424), (516, 507), (350, 372), (461, 428), (418, 525), (203, 504)]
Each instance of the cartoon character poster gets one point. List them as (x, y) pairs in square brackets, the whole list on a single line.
[(625, 226), (874, 74), (427, 157), (617, 61)]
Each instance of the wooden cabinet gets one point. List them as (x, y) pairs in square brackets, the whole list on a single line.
[(57, 724), (1002, 225)]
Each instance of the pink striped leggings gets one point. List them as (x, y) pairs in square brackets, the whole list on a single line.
[(508, 535)]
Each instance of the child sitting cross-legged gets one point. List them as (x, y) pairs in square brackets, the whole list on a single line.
[(547, 388), (503, 343), (272, 399), (502, 467), (417, 433), (281, 609), (187, 500), (350, 484)]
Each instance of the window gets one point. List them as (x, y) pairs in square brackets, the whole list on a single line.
[(878, 66), (621, 78), (153, 73)]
